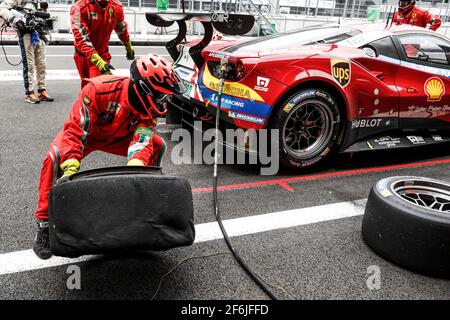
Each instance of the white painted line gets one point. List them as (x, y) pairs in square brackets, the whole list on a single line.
[(16, 75), (279, 220), (26, 260)]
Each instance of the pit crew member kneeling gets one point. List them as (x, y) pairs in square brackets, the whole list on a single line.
[(112, 114)]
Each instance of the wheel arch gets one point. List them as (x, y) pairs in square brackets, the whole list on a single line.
[(336, 92), (308, 84)]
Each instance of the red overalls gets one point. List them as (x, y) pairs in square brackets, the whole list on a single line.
[(92, 27), (418, 17), (101, 119)]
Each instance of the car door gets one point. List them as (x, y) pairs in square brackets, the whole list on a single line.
[(423, 81)]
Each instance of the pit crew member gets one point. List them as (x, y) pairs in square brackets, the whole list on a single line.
[(92, 23), (408, 13), (112, 114)]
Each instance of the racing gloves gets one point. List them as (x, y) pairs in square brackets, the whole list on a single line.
[(130, 50), (102, 65), (69, 167), (135, 162)]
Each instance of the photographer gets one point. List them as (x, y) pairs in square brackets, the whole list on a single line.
[(21, 14)]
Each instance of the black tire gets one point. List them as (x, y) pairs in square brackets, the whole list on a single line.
[(120, 209), (410, 234), (326, 108)]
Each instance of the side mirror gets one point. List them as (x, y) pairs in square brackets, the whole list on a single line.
[(423, 57)]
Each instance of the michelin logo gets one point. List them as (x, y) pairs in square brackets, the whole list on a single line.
[(245, 117)]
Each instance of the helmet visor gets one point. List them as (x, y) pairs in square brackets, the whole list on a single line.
[(404, 3)]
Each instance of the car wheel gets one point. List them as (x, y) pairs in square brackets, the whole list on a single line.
[(118, 209), (308, 124), (407, 221)]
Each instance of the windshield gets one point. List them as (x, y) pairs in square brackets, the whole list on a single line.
[(296, 38)]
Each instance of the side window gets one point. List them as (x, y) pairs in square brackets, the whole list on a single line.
[(385, 46), (426, 50)]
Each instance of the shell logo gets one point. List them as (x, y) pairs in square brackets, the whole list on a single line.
[(434, 88)]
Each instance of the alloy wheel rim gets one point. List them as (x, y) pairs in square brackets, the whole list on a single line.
[(308, 129), (426, 194)]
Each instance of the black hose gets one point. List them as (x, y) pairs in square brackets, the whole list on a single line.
[(236, 255), (2, 28)]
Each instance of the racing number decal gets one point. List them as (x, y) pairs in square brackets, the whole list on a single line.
[(340, 69)]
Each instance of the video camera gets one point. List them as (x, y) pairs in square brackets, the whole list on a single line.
[(33, 20)]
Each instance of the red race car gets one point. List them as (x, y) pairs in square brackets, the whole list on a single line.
[(342, 88)]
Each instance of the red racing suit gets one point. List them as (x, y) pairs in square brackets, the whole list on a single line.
[(418, 17), (101, 119), (92, 27)]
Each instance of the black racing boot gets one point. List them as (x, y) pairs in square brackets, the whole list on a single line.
[(42, 242)]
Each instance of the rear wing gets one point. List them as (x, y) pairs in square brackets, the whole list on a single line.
[(230, 24)]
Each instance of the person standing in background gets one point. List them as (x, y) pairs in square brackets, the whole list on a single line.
[(32, 49), (408, 13), (92, 23)]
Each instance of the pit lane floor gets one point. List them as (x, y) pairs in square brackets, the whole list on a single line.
[(323, 259)]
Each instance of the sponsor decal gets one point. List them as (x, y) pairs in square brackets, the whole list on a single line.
[(217, 55), (189, 87), (227, 102), (304, 95), (235, 89), (341, 71), (111, 111), (416, 139), (262, 84), (411, 90), (288, 107), (325, 152), (76, 20), (387, 141), (219, 17), (437, 138), (429, 108), (366, 123), (111, 12), (245, 117), (183, 73), (113, 107), (87, 101), (93, 15), (434, 89)]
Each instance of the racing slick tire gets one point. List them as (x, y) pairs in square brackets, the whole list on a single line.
[(120, 209), (407, 221), (309, 123)]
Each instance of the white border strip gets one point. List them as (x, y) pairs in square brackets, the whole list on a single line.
[(26, 260)]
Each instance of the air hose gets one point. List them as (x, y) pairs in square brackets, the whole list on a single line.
[(2, 28), (242, 263)]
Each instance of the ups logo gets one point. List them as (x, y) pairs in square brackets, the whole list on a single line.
[(340, 69)]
